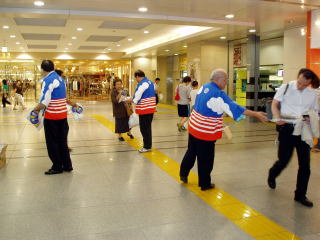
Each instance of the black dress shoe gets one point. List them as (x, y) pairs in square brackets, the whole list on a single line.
[(272, 182), (52, 171), (304, 201), (121, 139), (130, 135), (184, 179), (208, 187)]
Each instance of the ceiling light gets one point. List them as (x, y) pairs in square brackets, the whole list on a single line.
[(185, 46), (252, 30), (109, 49), (103, 57), (302, 6), (146, 32), (70, 44), (118, 45), (317, 23), (24, 56), (5, 27), (167, 50), (130, 39), (302, 1), (303, 32), (12, 36), (176, 54), (143, 9), (79, 29), (18, 43), (223, 37), (229, 16), (64, 57), (66, 48), (74, 38), (38, 3)]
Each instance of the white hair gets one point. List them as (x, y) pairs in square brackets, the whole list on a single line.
[(218, 73)]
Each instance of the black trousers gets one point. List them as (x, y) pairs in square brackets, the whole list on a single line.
[(204, 152), (5, 101), (287, 143), (146, 129), (56, 133)]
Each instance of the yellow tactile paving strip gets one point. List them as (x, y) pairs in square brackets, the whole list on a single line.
[(249, 220)]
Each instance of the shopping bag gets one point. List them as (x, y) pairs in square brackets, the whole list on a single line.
[(133, 120), (36, 119), (76, 112)]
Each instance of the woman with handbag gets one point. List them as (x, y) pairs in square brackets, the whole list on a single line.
[(183, 100), (5, 92), (121, 109)]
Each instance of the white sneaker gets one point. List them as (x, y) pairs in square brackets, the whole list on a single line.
[(144, 150)]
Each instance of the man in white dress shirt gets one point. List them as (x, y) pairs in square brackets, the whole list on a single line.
[(296, 99)]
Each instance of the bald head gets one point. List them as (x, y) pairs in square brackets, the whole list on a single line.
[(219, 77)]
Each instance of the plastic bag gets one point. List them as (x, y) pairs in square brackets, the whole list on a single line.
[(76, 112), (36, 119), (133, 120)]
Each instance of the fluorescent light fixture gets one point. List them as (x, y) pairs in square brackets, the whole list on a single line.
[(38, 3), (223, 37), (4, 49), (79, 29), (12, 36), (5, 27), (229, 16), (252, 30), (175, 34), (103, 57), (143, 9), (146, 32), (130, 39), (64, 57), (24, 56), (74, 38), (18, 43)]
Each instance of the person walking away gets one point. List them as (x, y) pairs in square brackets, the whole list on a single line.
[(18, 98), (145, 104), (193, 92), (206, 127), (5, 93), (120, 110), (156, 89), (183, 103), (296, 98), (54, 100)]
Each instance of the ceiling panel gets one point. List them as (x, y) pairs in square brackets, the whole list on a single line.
[(39, 46), (123, 25), (91, 47), (98, 38), (48, 22), (37, 36)]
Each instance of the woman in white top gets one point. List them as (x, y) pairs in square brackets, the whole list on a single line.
[(184, 102), (193, 93)]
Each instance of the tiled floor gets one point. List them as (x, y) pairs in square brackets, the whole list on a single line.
[(116, 193)]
